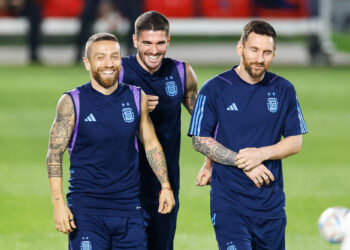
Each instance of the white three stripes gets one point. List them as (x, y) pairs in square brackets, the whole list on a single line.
[(232, 107), (198, 115), (90, 118), (301, 120)]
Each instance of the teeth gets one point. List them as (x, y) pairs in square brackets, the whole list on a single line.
[(108, 72), (153, 57)]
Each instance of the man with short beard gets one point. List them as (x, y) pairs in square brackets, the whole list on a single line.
[(98, 123), (239, 119), (168, 84)]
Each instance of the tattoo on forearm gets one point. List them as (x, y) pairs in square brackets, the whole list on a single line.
[(191, 101), (214, 150), (157, 162), (59, 137), (54, 170)]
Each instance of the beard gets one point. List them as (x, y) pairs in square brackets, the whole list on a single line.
[(143, 60), (103, 81), (253, 73)]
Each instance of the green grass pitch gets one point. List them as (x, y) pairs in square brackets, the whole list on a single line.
[(316, 178)]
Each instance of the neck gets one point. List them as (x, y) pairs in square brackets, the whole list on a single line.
[(151, 71), (244, 75), (106, 91)]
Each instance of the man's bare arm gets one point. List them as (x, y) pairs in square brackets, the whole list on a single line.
[(248, 158), (61, 132), (220, 154), (191, 92), (156, 158), (214, 150), (153, 149), (60, 135)]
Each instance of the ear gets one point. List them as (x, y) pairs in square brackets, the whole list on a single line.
[(168, 41), (239, 48), (134, 39), (87, 63)]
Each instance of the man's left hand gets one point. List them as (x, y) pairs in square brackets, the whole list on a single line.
[(249, 158), (166, 201)]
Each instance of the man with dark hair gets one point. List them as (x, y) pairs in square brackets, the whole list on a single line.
[(98, 122), (238, 121), (168, 83)]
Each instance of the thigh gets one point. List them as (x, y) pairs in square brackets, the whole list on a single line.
[(89, 234), (161, 227), (132, 235), (231, 230), (269, 234)]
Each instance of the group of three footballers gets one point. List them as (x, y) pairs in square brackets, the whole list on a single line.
[(124, 146)]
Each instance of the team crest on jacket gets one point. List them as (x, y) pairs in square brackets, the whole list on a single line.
[(272, 103), (230, 246), (85, 244), (127, 113), (170, 86)]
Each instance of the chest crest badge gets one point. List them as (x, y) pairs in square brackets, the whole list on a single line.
[(127, 113), (170, 86), (85, 244), (272, 103)]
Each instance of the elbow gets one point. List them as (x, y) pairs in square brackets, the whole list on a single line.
[(297, 146), (296, 150)]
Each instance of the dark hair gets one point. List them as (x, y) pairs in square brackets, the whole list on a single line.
[(99, 37), (259, 27), (151, 20)]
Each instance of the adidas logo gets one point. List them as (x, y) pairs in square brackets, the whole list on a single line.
[(90, 118), (232, 107)]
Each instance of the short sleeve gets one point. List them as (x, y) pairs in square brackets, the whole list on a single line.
[(294, 123), (204, 118)]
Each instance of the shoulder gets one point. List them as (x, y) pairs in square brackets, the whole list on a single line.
[(80, 88), (279, 81), (218, 82), (128, 60), (171, 62), (125, 86)]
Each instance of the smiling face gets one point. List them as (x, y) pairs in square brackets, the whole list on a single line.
[(257, 54), (104, 63), (151, 48)]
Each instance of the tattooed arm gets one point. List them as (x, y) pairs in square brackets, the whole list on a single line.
[(191, 89), (60, 135), (214, 150), (220, 154), (156, 158)]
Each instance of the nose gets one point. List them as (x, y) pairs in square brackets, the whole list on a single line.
[(261, 57), (154, 49), (109, 62)]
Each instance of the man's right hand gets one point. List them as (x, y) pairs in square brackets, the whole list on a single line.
[(63, 218), (204, 174), (152, 102), (260, 175)]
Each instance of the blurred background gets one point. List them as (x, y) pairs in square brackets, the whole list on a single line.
[(41, 44), (55, 31)]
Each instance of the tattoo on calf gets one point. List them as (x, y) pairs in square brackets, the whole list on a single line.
[(214, 150)]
